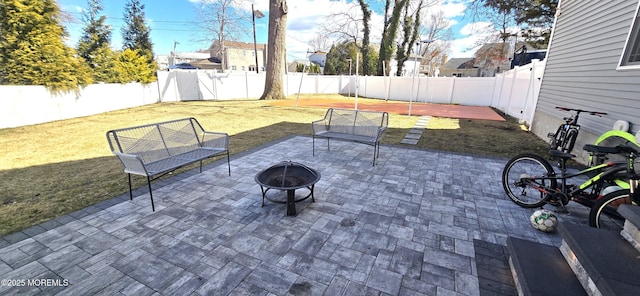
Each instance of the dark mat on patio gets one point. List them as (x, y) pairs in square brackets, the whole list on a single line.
[(494, 274)]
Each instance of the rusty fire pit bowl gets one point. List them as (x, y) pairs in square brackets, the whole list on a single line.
[(288, 176)]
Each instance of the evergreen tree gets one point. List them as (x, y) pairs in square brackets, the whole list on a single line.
[(32, 51), (340, 57), (95, 43), (535, 17), (135, 36), (131, 66), (135, 33)]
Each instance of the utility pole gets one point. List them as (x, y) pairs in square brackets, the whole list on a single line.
[(254, 14)]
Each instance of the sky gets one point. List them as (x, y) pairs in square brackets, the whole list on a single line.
[(172, 23)]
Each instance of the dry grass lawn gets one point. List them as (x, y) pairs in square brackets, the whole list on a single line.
[(52, 169)]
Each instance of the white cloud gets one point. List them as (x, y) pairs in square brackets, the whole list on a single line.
[(303, 22), (469, 40), (451, 9), (478, 28)]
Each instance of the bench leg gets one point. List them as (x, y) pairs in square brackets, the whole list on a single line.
[(228, 163), (313, 143), (375, 153), (153, 208), (130, 193)]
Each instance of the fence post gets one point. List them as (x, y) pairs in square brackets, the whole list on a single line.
[(178, 98), (493, 89), (426, 95), (513, 83), (452, 89), (525, 112), (215, 85)]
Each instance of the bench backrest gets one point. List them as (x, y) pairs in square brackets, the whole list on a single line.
[(157, 141), (357, 122)]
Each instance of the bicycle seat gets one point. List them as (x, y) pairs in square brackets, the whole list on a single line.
[(560, 154), (595, 149)]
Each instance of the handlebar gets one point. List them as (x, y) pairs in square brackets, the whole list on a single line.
[(578, 111)]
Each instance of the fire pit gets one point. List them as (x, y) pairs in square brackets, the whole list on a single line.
[(288, 176)]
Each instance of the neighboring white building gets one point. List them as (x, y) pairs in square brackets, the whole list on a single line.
[(318, 57), (164, 61), (240, 56)]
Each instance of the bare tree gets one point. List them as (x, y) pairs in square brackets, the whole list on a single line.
[(274, 87), (344, 26), (320, 43), (223, 20), (437, 30)]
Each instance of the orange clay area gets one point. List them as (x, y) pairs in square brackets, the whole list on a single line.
[(396, 107)]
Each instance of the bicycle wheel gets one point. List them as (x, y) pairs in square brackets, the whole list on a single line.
[(522, 183), (569, 140), (604, 213)]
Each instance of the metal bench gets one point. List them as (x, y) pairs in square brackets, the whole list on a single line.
[(364, 127), (154, 150)]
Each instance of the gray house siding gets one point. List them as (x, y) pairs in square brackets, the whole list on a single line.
[(585, 50)]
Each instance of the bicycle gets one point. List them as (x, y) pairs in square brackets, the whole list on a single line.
[(530, 181), (609, 203), (565, 136)]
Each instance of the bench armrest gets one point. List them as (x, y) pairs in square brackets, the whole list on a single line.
[(380, 132), (321, 125), (133, 164), (215, 140)]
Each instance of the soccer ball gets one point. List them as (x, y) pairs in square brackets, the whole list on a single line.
[(544, 220)]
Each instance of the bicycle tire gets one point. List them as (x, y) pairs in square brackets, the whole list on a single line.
[(607, 207), (569, 141), (524, 194)]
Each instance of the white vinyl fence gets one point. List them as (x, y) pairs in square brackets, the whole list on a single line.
[(25, 105), (514, 92)]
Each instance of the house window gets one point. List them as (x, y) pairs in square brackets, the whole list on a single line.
[(631, 55)]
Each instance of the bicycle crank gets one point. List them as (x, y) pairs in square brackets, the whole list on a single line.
[(559, 199)]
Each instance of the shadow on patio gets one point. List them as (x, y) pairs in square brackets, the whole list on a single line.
[(413, 224)]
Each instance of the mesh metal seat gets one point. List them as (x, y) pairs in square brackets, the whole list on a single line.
[(154, 150), (364, 127)]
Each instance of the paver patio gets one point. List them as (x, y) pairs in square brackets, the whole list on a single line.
[(418, 223)]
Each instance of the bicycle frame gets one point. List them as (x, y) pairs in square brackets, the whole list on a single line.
[(607, 170), (565, 136)]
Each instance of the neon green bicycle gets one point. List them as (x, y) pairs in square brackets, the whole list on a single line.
[(530, 181)]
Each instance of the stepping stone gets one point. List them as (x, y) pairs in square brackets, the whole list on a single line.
[(409, 141)]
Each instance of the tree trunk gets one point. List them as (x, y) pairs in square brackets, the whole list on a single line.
[(276, 60), (365, 38)]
